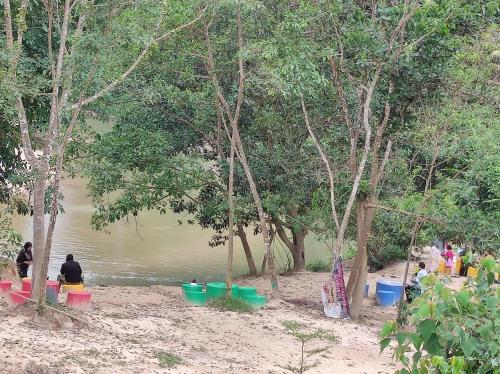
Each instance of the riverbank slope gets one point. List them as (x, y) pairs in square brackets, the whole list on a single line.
[(134, 329)]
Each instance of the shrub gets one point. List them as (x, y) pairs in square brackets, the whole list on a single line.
[(319, 266), (167, 359), (456, 331), (385, 256), (296, 329), (230, 304)]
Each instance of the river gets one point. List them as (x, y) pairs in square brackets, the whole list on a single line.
[(152, 249), (155, 249)]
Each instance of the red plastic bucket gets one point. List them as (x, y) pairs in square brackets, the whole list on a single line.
[(19, 297), (5, 286), (78, 299), (26, 284)]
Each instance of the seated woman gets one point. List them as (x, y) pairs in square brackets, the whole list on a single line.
[(415, 288), (71, 272)]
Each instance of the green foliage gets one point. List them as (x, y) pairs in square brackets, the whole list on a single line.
[(319, 266), (457, 331), (167, 359), (230, 304), (297, 329), (10, 240)]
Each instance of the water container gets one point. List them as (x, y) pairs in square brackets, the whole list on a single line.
[(256, 301), (19, 297), (191, 287), (247, 291), (196, 297), (26, 284), (386, 298), (78, 299), (235, 291), (367, 288), (472, 272), (390, 285), (52, 291), (5, 286), (215, 289)]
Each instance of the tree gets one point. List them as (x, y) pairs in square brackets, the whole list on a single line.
[(72, 73)]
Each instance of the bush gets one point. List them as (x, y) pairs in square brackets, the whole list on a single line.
[(456, 331), (319, 266), (230, 304), (167, 359), (385, 256)]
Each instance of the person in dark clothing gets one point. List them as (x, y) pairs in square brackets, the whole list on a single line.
[(24, 260), (71, 272)]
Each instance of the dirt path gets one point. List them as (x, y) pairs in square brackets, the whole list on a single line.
[(148, 320)]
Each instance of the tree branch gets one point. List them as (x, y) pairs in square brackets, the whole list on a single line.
[(138, 60), (325, 161)]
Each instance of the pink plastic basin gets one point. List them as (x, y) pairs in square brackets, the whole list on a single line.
[(19, 297), (78, 299), (5, 286), (26, 284)]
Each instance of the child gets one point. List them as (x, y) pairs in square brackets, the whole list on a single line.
[(448, 258)]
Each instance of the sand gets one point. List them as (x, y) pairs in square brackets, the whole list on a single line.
[(131, 325)]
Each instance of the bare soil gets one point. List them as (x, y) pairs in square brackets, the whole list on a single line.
[(131, 327)]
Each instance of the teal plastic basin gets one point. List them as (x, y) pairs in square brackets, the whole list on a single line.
[(196, 297), (235, 291), (215, 289), (244, 291), (256, 301), (191, 287)]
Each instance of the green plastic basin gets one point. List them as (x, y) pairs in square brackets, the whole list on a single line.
[(196, 297), (247, 291), (215, 289), (256, 301), (235, 291), (191, 287)]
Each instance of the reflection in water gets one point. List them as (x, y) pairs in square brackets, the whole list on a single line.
[(153, 250)]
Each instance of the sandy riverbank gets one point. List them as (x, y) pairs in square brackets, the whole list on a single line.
[(133, 324)]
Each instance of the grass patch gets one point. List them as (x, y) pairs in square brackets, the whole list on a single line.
[(167, 359), (230, 304)]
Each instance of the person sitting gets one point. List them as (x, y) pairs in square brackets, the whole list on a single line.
[(71, 272), (415, 288)]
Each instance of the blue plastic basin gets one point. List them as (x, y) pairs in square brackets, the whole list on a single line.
[(386, 298), (390, 285)]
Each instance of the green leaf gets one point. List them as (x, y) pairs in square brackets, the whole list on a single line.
[(463, 297), (426, 328), (401, 337), (491, 302), (488, 263), (433, 346), (388, 329), (467, 345), (416, 340), (424, 311), (384, 343)]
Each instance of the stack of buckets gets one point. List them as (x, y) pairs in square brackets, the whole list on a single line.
[(194, 293)]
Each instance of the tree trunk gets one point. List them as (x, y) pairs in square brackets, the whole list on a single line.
[(299, 261), (357, 279), (246, 248), (230, 201), (40, 266), (296, 246)]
